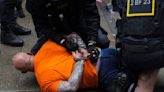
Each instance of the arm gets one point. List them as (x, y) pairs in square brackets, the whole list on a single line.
[(74, 81), (76, 39), (92, 19), (82, 47), (37, 9)]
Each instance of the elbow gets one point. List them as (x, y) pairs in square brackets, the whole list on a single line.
[(60, 88), (72, 87), (67, 87)]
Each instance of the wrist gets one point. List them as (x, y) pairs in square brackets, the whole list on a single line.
[(80, 59)]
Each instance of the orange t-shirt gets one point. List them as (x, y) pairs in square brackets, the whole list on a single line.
[(54, 64)]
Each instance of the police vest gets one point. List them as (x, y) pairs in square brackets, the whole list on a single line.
[(141, 17)]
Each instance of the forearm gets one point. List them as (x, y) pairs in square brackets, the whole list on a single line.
[(80, 43), (74, 81)]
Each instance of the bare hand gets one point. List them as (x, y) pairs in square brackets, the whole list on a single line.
[(84, 53), (76, 54)]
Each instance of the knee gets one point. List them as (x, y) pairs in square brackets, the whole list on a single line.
[(20, 61), (102, 40)]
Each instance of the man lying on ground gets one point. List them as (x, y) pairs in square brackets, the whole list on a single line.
[(58, 70)]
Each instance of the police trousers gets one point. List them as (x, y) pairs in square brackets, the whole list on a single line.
[(143, 55), (8, 14)]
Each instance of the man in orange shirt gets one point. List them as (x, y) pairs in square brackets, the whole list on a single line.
[(57, 70)]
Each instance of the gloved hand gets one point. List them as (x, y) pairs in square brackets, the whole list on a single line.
[(93, 51)]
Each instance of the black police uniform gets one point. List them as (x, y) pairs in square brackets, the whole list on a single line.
[(9, 27), (56, 17), (1, 8), (19, 10), (141, 33)]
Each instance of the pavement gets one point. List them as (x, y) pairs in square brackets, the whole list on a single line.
[(12, 80)]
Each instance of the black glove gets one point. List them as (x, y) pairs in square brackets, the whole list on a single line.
[(70, 43), (93, 51)]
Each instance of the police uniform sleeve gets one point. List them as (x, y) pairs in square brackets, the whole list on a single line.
[(92, 19)]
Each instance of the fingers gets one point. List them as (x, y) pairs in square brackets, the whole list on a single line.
[(76, 54), (84, 53), (73, 53)]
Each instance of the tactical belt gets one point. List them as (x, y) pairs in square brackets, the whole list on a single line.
[(142, 48)]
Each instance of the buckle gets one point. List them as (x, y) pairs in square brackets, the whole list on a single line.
[(140, 8)]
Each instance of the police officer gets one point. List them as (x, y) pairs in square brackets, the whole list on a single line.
[(1, 8), (140, 39), (55, 17), (9, 28)]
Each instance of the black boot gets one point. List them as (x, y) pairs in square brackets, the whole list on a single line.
[(9, 38), (19, 30)]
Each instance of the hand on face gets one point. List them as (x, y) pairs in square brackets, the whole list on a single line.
[(76, 54), (83, 55)]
